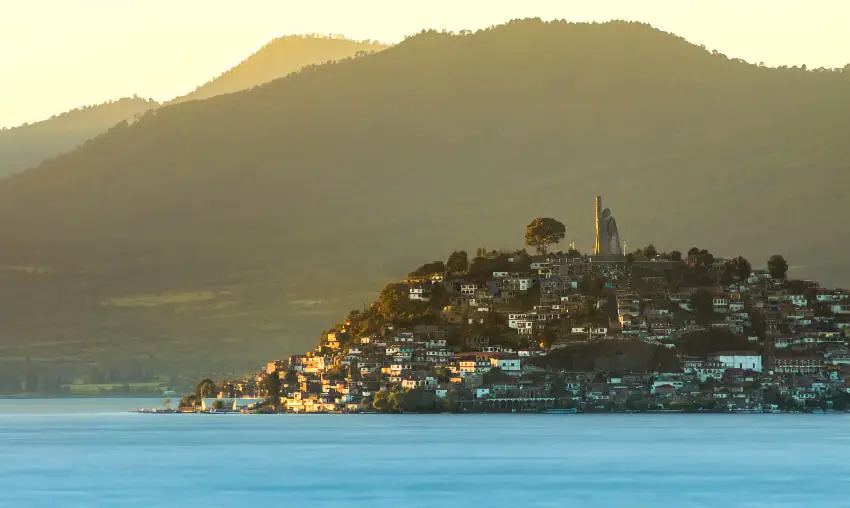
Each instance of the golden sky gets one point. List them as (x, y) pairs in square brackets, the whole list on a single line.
[(59, 54)]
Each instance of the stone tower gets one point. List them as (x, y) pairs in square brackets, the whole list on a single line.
[(597, 248)]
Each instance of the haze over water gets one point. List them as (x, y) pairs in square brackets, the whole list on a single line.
[(90, 453)]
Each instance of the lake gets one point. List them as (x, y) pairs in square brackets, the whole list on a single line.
[(88, 453)]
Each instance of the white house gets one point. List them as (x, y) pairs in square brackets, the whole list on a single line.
[(529, 352), (429, 382), (520, 283), (515, 318), (746, 360), (720, 304), (675, 383), (435, 343), (397, 369), (418, 293), (798, 365), (525, 327), (705, 370), (474, 366), (438, 355), (841, 308), (595, 332), (798, 300), (507, 363)]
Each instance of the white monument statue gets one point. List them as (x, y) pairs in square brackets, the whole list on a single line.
[(607, 236)]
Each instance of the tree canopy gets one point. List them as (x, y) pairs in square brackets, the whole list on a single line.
[(395, 305), (436, 267), (398, 400), (458, 262), (702, 303), (777, 266), (271, 381), (741, 268), (205, 388), (542, 232)]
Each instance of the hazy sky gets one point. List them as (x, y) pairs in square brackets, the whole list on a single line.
[(59, 54)]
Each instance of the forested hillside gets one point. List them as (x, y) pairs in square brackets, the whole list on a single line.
[(29, 144), (231, 228)]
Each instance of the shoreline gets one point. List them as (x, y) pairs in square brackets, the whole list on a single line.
[(556, 413), (71, 397)]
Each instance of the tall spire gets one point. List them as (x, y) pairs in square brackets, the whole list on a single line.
[(596, 248)]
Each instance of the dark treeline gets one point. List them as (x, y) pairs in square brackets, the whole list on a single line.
[(35, 378)]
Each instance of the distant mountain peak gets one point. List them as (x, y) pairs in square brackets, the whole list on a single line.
[(279, 58), (30, 144)]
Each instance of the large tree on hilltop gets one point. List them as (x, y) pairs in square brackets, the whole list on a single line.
[(703, 307), (272, 384), (458, 262), (741, 267), (542, 232), (395, 306), (700, 258), (777, 266), (205, 389)]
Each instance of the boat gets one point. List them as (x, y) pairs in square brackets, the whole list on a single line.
[(222, 411), (557, 411)]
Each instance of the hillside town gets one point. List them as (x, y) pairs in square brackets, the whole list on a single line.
[(571, 332)]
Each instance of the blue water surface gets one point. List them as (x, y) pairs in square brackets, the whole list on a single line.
[(91, 453)]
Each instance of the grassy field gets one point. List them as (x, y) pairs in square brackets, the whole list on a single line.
[(229, 326), (163, 299), (31, 270), (94, 389)]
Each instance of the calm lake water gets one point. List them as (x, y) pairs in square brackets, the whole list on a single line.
[(88, 453)]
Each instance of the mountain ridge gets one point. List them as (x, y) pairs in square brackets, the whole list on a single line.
[(264, 65), (27, 145), (23, 146)]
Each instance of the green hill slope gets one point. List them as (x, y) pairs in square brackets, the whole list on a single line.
[(278, 58), (29, 144), (231, 228)]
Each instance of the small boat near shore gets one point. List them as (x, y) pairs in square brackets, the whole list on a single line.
[(555, 411)]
